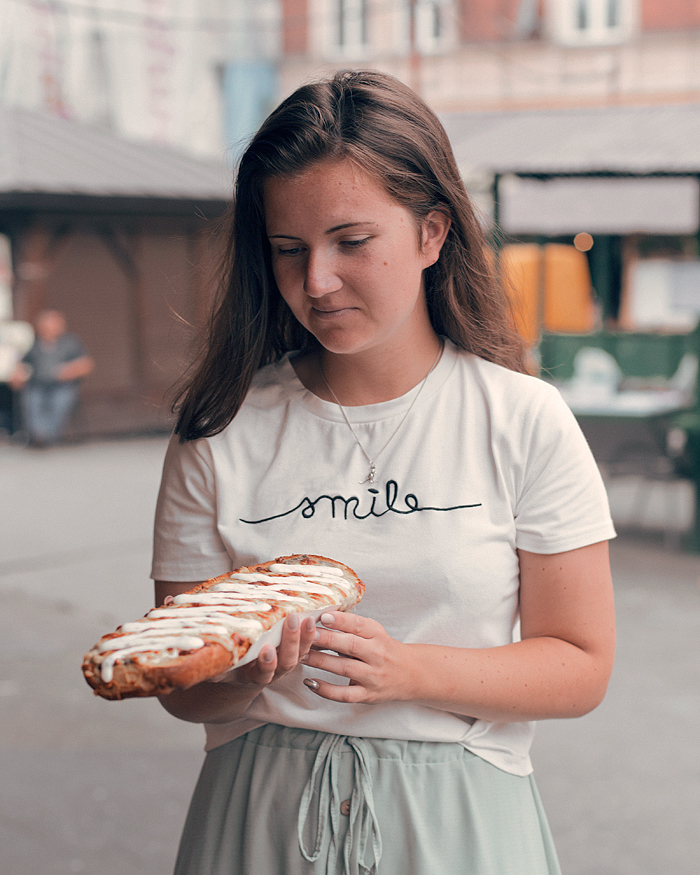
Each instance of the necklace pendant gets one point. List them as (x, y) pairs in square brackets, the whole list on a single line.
[(371, 477)]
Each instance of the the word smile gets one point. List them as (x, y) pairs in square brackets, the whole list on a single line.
[(356, 508)]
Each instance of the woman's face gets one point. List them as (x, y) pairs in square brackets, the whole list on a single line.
[(349, 260)]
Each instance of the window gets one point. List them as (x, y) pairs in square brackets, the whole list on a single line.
[(351, 25), (582, 22), (341, 30), (613, 16), (434, 25), (592, 22)]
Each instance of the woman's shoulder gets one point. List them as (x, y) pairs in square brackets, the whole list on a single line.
[(495, 379), (512, 403), (273, 383), (273, 388)]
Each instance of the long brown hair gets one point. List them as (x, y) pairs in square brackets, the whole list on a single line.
[(382, 126)]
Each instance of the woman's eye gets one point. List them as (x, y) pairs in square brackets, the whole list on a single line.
[(290, 251), (354, 244)]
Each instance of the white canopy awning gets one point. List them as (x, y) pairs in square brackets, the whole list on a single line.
[(621, 205)]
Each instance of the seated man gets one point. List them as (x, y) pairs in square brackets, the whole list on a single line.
[(49, 377)]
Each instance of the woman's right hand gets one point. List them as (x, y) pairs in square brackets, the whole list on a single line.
[(229, 695), (274, 663)]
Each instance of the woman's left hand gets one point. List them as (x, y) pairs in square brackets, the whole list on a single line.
[(364, 653)]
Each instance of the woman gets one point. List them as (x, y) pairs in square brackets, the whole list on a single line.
[(362, 396)]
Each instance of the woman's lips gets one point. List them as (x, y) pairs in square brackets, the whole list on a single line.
[(330, 314)]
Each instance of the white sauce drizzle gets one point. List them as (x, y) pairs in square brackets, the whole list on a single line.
[(206, 624), (275, 584), (166, 646), (234, 624), (164, 630), (330, 572), (309, 570), (278, 581), (246, 592), (171, 637), (205, 597)]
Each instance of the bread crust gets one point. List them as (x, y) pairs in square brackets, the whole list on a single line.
[(154, 671)]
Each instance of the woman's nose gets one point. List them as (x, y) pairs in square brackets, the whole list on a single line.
[(321, 276)]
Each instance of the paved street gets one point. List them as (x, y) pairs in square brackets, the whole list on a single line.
[(102, 787)]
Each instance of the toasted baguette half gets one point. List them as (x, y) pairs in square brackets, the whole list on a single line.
[(203, 633)]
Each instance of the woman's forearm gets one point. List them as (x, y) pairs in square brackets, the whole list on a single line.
[(210, 702), (559, 669), (535, 679)]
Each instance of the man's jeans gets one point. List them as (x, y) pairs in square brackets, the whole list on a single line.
[(47, 408)]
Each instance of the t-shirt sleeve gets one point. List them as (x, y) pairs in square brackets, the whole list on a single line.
[(561, 499), (186, 541)]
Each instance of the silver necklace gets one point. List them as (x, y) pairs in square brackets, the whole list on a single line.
[(371, 477)]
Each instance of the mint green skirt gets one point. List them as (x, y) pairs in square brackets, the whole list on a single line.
[(281, 801)]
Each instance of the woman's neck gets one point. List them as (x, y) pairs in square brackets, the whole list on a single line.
[(369, 377)]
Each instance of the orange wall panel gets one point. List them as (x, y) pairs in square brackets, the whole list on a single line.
[(568, 303), (549, 287), (520, 270)]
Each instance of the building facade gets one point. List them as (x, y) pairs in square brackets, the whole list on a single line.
[(504, 54), (195, 75), (521, 67), (119, 236)]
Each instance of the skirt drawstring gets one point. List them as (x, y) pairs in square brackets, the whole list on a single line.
[(363, 837), (363, 832)]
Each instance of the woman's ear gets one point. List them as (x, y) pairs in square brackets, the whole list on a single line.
[(434, 230)]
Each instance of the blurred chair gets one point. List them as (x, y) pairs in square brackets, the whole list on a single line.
[(645, 450)]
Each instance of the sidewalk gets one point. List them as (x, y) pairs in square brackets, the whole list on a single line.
[(102, 787), (85, 785)]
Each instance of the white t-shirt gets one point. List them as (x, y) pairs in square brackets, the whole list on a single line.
[(487, 461)]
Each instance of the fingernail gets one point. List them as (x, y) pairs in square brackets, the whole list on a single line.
[(304, 658), (317, 635), (309, 624), (311, 683), (293, 622), (267, 655), (327, 619)]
